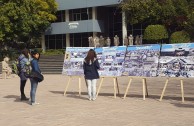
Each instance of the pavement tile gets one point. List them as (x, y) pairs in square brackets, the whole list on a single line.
[(55, 109)]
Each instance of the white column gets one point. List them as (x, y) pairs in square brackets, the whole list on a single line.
[(67, 34), (94, 17), (67, 15), (124, 26), (43, 42), (94, 13), (67, 40)]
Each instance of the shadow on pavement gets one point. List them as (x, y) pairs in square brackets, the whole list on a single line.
[(16, 97), (62, 92), (182, 105), (71, 94), (57, 92), (77, 97)]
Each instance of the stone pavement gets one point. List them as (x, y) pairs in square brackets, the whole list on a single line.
[(73, 110)]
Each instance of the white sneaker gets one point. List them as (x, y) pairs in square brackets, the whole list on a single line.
[(89, 99), (35, 103), (93, 99)]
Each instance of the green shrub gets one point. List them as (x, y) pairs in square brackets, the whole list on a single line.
[(11, 53), (54, 52), (180, 37), (40, 50), (155, 33)]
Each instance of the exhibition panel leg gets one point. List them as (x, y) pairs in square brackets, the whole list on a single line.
[(146, 87), (67, 85), (182, 89), (115, 85), (69, 81), (102, 78), (143, 82), (130, 80), (166, 83), (115, 90), (79, 86)]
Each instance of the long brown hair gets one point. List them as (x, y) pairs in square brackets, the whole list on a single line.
[(25, 52), (90, 56)]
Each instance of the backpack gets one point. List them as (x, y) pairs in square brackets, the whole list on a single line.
[(16, 67), (27, 69)]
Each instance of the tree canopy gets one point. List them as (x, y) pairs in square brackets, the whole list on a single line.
[(189, 24), (23, 20), (175, 15)]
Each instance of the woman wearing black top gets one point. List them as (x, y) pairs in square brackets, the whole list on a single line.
[(91, 65)]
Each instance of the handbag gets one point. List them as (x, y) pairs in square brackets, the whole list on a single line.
[(36, 76)]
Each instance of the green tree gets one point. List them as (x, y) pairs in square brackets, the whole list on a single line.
[(171, 13), (178, 19), (138, 11), (189, 24), (155, 33), (24, 20), (180, 37)]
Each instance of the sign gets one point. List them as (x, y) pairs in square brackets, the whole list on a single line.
[(111, 60), (73, 25), (177, 60), (141, 60), (73, 61)]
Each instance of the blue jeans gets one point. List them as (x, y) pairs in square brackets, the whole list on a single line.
[(34, 85)]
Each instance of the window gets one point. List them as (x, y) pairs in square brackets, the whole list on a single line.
[(60, 16), (55, 41), (80, 14), (79, 40)]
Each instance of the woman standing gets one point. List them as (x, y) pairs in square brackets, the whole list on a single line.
[(23, 60), (34, 83), (91, 65)]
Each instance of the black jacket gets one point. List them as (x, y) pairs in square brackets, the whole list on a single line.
[(91, 70)]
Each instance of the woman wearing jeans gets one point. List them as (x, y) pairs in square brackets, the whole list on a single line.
[(34, 83), (91, 65)]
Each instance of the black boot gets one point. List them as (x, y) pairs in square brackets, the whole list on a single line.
[(24, 98)]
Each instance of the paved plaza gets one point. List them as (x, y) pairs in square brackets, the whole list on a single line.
[(55, 109)]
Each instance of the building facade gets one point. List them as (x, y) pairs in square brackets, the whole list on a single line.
[(79, 19)]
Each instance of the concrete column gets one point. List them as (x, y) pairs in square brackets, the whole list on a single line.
[(43, 42), (124, 26), (94, 13), (94, 17), (67, 15), (67, 34), (67, 40)]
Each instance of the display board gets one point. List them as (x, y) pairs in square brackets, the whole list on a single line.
[(73, 60), (141, 60), (177, 60), (168, 60), (111, 60)]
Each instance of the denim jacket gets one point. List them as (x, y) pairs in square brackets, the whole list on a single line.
[(35, 66)]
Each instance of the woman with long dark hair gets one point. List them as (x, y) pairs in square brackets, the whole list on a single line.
[(91, 66), (23, 60)]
